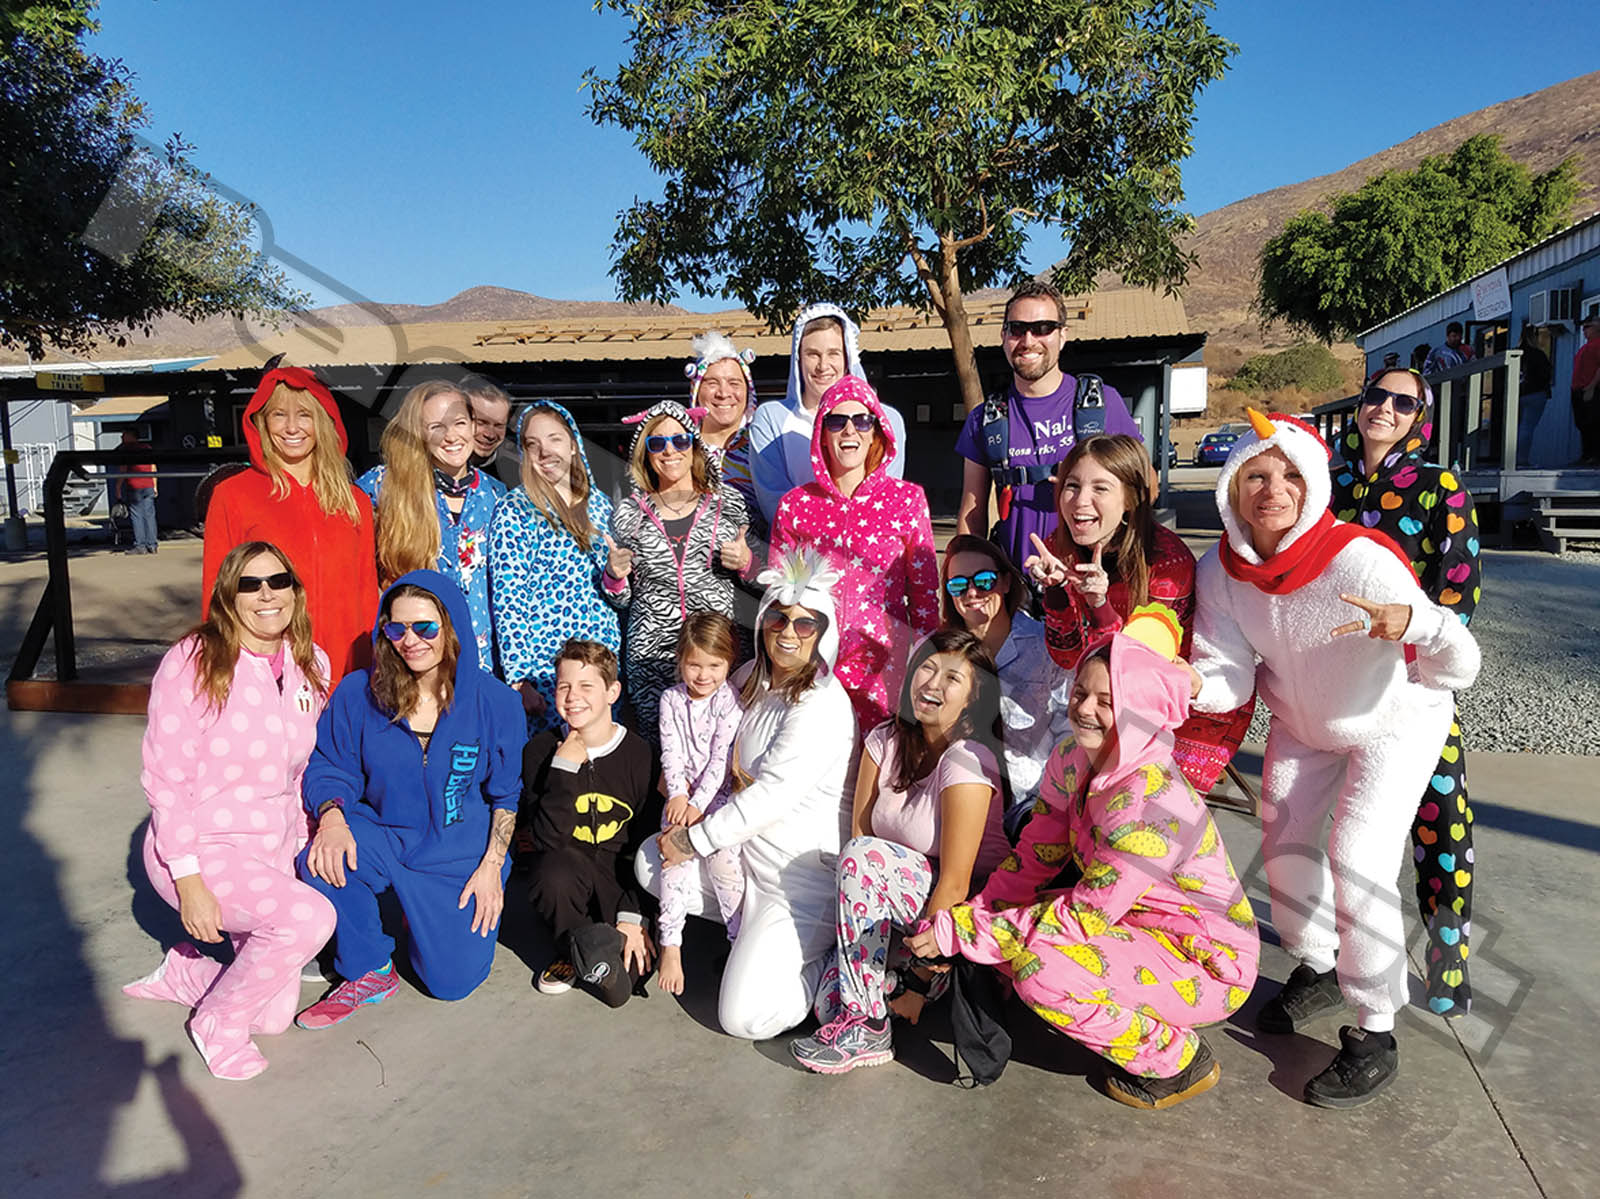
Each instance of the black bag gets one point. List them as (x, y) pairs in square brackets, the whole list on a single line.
[(978, 1019)]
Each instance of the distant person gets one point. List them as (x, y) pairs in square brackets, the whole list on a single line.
[(1419, 355), (1391, 360), (432, 507), (491, 415), (413, 787), (1455, 352), (233, 717), (825, 347), (298, 495), (1586, 390), (1533, 393), (721, 384), (137, 489), (546, 551), (1015, 440)]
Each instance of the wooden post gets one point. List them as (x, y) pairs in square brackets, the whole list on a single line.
[(1508, 433)]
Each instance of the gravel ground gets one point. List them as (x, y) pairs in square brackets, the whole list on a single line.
[(1539, 628)]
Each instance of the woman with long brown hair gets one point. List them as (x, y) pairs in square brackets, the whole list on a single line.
[(432, 506), (414, 786), (233, 712), (297, 495), (546, 552)]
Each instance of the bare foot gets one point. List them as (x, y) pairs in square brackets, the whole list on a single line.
[(669, 970)]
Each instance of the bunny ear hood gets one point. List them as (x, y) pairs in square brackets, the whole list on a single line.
[(689, 418), (852, 348), (1304, 447), (805, 578)]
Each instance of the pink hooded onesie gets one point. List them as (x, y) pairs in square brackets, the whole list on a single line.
[(1157, 937), (224, 792), (880, 539)]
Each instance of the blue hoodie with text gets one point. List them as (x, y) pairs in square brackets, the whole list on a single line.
[(436, 805)]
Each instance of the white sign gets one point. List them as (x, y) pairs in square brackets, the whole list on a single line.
[(1491, 296)]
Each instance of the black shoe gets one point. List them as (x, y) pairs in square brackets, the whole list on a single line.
[(1367, 1062), (1305, 995), (1153, 1094)]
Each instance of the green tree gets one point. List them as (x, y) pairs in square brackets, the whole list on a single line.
[(1406, 235), (1308, 367), (874, 152), (98, 233)]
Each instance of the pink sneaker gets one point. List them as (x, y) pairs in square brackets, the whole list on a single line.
[(341, 1003)]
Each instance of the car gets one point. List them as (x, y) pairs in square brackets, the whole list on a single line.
[(1213, 451), (1172, 455)]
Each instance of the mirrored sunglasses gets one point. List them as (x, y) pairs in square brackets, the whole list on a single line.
[(395, 630), (657, 443), (281, 581), (984, 581), (835, 422), (1405, 405)]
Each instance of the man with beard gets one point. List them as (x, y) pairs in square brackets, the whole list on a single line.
[(1016, 438)]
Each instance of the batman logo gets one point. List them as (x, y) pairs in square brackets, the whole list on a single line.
[(616, 813)]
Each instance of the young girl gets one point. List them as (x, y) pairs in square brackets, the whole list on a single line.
[(699, 718), (1156, 937)]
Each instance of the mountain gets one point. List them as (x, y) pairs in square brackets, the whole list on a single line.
[(170, 337), (1538, 130)]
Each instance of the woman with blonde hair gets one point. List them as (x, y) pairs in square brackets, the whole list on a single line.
[(546, 552), (433, 507), (233, 715), (297, 495), (677, 545)]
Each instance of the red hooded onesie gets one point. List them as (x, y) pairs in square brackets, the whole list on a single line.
[(336, 559)]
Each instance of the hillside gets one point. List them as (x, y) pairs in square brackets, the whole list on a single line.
[(1538, 130)]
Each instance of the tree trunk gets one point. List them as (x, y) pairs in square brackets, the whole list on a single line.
[(954, 312)]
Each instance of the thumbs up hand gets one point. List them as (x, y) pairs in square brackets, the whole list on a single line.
[(619, 559), (735, 551)]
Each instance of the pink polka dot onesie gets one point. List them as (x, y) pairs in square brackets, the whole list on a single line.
[(880, 539), (1157, 937), (224, 792)]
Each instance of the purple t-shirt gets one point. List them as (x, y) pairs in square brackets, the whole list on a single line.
[(1040, 432)]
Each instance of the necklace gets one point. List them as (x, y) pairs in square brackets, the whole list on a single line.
[(679, 510)]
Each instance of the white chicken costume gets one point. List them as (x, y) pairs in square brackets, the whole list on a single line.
[(1357, 721)]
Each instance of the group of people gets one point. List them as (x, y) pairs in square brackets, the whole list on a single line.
[(862, 760)]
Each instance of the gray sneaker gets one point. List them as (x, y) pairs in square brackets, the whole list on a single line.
[(843, 1044)]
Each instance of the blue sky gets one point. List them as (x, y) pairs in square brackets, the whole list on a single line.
[(412, 150)]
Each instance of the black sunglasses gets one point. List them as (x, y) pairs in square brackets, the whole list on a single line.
[(1405, 405), (395, 630), (656, 443), (1037, 328), (776, 620), (835, 422), (983, 582), (281, 581)]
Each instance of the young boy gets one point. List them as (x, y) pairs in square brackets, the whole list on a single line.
[(588, 798)]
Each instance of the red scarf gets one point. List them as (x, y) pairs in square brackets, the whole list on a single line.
[(1292, 568)]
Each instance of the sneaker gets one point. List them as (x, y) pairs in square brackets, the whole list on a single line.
[(843, 1044), (1305, 995), (341, 1003), (1155, 1094), (557, 978), (1367, 1062)]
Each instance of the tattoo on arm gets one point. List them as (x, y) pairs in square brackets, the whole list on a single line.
[(679, 839), (500, 829)]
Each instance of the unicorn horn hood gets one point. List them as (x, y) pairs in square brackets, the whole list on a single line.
[(805, 578), (1304, 447)]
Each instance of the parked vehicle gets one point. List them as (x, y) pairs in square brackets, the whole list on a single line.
[(1213, 451)]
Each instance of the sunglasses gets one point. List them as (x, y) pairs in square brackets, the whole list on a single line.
[(1405, 405), (395, 630), (1037, 328), (835, 422), (983, 582), (776, 620), (657, 443), (281, 581)]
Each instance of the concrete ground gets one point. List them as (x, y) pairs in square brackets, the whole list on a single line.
[(515, 1093)]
